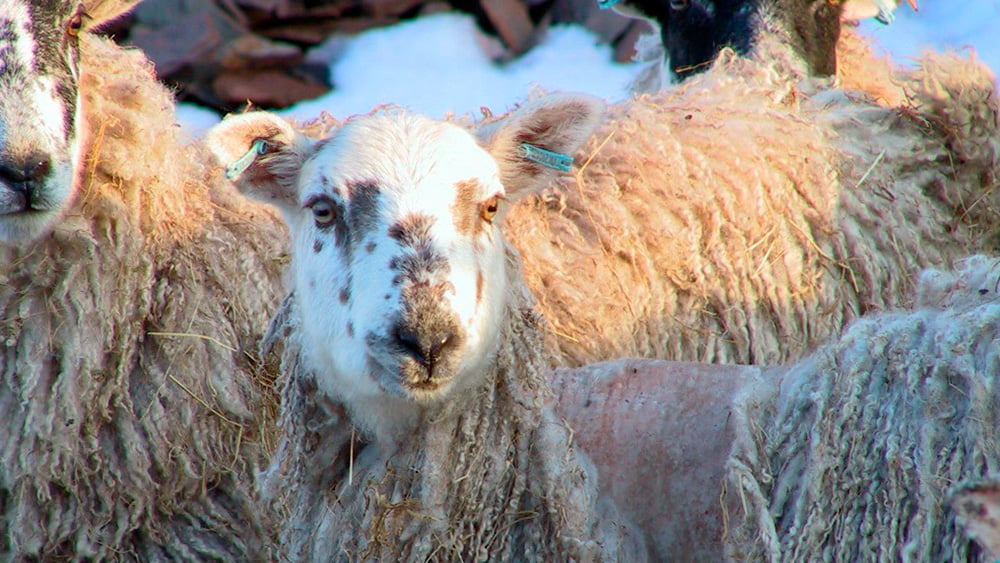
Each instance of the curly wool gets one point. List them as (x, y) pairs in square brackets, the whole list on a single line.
[(134, 415), (742, 218), (491, 476), (853, 456)]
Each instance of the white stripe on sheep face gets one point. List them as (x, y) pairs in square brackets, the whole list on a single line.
[(399, 266), (42, 132)]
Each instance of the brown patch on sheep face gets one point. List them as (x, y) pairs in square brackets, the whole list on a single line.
[(350, 329), (345, 294), (370, 247), (317, 246), (479, 287), (466, 208)]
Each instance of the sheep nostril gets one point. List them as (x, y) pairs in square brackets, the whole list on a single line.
[(426, 349), (23, 171), (410, 343)]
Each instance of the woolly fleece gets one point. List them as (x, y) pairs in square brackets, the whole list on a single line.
[(746, 216), (135, 413), (853, 456)]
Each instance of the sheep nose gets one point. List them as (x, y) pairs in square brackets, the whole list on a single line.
[(425, 347), (21, 172)]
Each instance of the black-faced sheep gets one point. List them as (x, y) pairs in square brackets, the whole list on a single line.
[(133, 283), (847, 455), (690, 34), (411, 323)]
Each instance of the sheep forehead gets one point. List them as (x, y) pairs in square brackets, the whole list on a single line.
[(413, 165)]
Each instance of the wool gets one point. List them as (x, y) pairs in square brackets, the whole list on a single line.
[(852, 456), (491, 476), (136, 411), (747, 217)]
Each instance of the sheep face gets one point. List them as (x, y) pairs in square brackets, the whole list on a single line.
[(41, 131), (694, 31), (399, 268), (398, 263)]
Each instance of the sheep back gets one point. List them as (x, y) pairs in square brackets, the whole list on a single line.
[(853, 455)]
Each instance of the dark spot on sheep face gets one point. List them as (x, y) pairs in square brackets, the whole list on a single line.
[(370, 247), (345, 294), (317, 246), (350, 329), (412, 230), (362, 217)]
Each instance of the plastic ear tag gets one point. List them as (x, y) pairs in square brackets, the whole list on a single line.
[(554, 160), (238, 167)]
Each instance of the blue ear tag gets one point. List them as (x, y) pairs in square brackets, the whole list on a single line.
[(554, 160), (605, 4), (238, 167)]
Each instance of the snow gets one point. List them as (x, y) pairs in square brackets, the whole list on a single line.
[(438, 64)]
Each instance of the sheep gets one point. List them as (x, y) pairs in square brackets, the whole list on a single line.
[(134, 284), (845, 455), (742, 218), (689, 35), (850, 455), (416, 422)]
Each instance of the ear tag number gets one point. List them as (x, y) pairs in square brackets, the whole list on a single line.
[(549, 159)]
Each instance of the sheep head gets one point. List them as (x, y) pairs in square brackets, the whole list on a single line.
[(399, 266), (41, 129)]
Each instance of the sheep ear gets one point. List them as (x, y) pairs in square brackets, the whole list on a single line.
[(262, 154), (537, 140), (978, 509), (99, 12)]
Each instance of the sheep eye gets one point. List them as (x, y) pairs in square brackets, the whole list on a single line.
[(679, 4), (323, 213), (75, 24), (489, 209)]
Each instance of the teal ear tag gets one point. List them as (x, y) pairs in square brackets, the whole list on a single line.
[(554, 160), (238, 167)]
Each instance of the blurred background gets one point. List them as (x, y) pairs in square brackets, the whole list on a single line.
[(438, 57)]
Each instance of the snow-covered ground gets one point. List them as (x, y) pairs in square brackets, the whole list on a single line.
[(436, 65)]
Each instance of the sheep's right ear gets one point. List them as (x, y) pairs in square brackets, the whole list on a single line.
[(978, 508), (262, 154)]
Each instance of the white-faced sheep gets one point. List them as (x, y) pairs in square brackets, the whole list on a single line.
[(846, 455), (133, 280), (415, 327)]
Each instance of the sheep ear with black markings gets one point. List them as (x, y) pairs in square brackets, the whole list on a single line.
[(537, 141), (262, 154)]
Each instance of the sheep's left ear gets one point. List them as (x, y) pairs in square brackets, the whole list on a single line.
[(537, 141)]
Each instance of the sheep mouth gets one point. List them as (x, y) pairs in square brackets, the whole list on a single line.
[(421, 380)]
